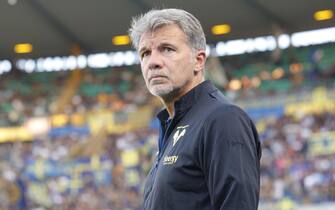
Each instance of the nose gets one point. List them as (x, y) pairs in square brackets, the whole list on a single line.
[(155, 60)]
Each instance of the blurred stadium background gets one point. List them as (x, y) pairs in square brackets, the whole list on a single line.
[(77, 126)]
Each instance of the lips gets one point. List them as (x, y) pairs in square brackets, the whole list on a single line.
[(156, 77)]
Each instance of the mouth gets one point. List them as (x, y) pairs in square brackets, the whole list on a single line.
[(156, 77)]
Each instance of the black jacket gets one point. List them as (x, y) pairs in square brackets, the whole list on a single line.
[(208, 156)]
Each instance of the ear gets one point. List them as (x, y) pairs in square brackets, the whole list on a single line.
[(200, 59)]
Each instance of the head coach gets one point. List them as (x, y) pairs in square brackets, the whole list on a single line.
[(209, 152)]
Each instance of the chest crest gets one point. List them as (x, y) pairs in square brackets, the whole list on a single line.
[(180, 132)]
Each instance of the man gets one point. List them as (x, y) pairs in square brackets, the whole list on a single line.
[(208, 148)]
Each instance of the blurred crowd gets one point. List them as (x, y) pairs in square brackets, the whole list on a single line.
[(76, 169), (107, 186), (289, 167), (25, 95)]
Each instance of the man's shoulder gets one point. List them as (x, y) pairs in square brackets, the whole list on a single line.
[(225, 111), (213, 104), (218, 104)]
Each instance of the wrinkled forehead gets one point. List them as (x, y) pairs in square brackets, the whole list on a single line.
[(164, 33)]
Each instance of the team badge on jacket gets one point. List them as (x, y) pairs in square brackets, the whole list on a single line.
[(181, 130)]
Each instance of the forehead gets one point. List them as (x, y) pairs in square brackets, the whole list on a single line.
[(167, 33)]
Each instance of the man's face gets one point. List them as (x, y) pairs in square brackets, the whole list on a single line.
[(168, 63)]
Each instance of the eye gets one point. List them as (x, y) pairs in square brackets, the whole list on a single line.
[(145, 53), (168, 49)]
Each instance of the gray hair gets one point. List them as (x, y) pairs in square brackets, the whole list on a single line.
[(155, 19)]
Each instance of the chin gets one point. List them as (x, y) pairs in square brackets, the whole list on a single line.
[(161, 92)]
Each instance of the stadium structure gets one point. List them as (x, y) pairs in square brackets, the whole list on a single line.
[(78, 127)]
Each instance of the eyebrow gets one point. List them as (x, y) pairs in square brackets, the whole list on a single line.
[(142, 49), (167, 44), (162, 44)]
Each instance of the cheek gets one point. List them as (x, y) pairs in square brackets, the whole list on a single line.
[(183, 67), (144, 73)]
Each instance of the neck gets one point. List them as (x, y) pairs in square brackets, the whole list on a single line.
[(170, 109), (170, 99), (168, 102)]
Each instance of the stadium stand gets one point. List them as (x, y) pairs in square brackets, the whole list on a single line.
[(86, 139)]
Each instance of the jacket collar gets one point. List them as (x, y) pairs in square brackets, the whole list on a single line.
[(187, 100)]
